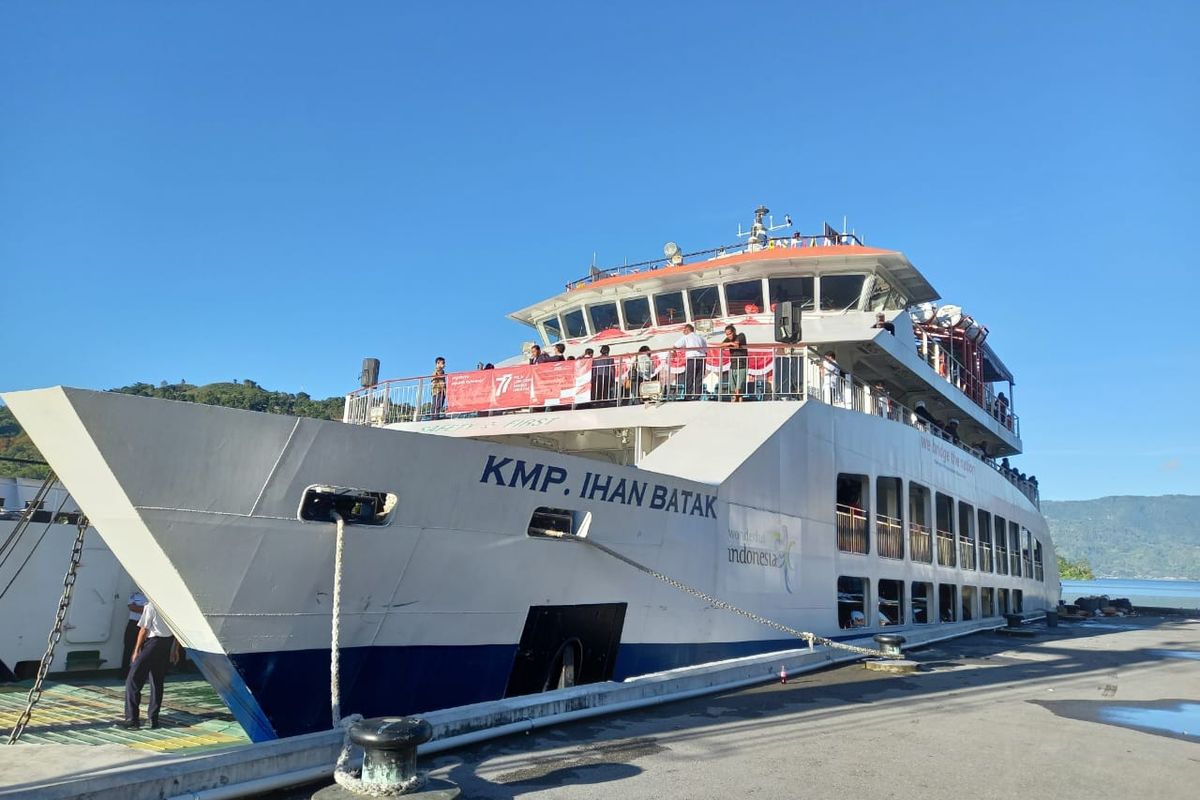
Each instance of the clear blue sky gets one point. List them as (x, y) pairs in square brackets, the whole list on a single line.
[(216, 191)]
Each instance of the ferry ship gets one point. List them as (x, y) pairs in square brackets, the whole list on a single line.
[(845, 472), (32, 566)]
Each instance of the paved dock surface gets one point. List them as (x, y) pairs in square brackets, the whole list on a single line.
[(1104, 709)]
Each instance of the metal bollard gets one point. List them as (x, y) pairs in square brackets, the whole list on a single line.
[(389, 747), (890, 643), (1013, 620), (1052, 619)]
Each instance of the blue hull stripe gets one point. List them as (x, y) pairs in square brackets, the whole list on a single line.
[(287, 693)]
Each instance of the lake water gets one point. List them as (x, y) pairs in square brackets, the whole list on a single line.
[(1165, 594)]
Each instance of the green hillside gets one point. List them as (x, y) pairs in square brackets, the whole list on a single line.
[(244, 394), (1130, 537)]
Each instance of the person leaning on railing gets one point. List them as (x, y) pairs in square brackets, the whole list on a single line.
[(695, 350)]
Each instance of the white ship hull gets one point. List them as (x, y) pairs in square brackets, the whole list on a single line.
[(201, 504)]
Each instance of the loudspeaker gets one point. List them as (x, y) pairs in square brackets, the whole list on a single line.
[(787, 322)]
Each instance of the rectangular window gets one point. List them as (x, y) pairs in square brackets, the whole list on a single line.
[(1003, 600), (987, 601), (891, 602), (637, 313), (920, 602), (669, 308), (985, 541), (947, 605), (744, 297), (794, 290), (1001, 545), (604, 317), (945, 529), (920, 539), (1018, 601), (889, 522), (1014, 549), (1027, 551), (574, 324), (850, 513), (1038, 569), (968, 603), (852, 602), (966, 536), (840, 292), (705, 302)]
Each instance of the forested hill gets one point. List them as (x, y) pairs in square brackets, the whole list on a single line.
[(244, 394), (1130, 537)]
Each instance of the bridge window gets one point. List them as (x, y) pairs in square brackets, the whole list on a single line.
[(840, 292), (745, 297), (889, 522), (669, 308), (705, 302), (793, 290), (947, 607), (552, 329), (891, 602), (851, 513), (574, 324), (852, 602), (604, 317), (921, 592), (883, 297), (987, 601), (637, 313)]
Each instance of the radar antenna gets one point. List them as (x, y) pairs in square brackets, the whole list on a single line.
[(758, 233)]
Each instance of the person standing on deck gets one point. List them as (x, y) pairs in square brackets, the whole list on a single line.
[(137, 602), (437, 387), (155, 649), (695, 349)]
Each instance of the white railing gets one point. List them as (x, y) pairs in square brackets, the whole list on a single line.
[(889, 537), (654, 376), (851, 529), (920, 543)]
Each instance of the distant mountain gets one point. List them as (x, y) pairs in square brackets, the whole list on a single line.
[(1130, 537), (235, 394)]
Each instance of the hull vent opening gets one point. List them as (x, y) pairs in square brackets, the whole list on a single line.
[(559, 522), (355, 506)]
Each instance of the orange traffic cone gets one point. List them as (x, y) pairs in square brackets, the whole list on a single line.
[(783, 673)]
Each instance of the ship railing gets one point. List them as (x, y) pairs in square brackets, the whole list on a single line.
[(772, 243), (966, 553), (889, 537), (954, 372), (920, 542), (851, 526), (985, 556), (945, 548), (774, 372), (1014, 564)]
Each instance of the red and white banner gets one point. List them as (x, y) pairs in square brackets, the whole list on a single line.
[(554, 383)]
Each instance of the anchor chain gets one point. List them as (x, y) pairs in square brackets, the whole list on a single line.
[(808, 636), (35, 692)]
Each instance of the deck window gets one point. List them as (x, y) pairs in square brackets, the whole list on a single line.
[(966, 536), (920, 540), (968, 603), (987, 601), (745, 297), (551, 329), (705, 302), (920, 602), (793, 290), (1002, 596), (1001, 546), (852, 602), (850, 513), (637, 313), (840, 292), (985, 541), (604, 317), (947, 607), (891, 602), (669, 308), (1027, 551), (889, 522), (945, 530), (1038, 569), (1018, 601), (1014, 549), (574, 324)]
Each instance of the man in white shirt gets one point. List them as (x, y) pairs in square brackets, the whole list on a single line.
[(137, 601), (695, 348), (155, 648)]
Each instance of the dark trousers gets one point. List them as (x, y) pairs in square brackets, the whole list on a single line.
[(693, 377), (152, 663), (131, 632)]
